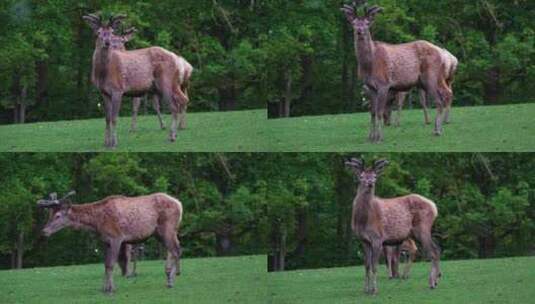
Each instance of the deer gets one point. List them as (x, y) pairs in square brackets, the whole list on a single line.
[(388, 69), (154, 70), (398, 100), (121, 221), (118, 43), (379, 222), (392, 257)]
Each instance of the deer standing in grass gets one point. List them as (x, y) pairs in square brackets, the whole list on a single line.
[(121, 221), (118, 73), (389, 69), (118, 43), (379, 222)]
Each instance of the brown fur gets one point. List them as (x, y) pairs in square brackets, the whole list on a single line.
[(386, 69), (117, 73), (120, 221), (378, 222), (392, 257)]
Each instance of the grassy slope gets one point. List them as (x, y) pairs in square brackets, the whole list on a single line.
[(206, 132), (476, 281), (211, 280), (473, 129)]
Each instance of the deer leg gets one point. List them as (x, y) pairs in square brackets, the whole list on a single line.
[(395, 262), (123, 258), (112, 252), (108, 109), (380, 106), (438, 119), (376, 249), (156, 106), (433, 252), (367, 264), (387, 251), (133, 254), (400, 100), (116, 106), (423, 102), (136, 102), (182, 124), (172, 266), (408, 264)]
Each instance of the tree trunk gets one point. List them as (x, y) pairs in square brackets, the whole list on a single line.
[(278, 248), (301, 233), (223, 244), (20, 250), (492, 86), (287, 99)]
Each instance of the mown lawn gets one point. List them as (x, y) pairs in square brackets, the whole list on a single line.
[(207, 280), (475, 281), (508, 128), (206, 132)]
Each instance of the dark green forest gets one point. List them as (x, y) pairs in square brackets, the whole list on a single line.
[(296, 56), (297, 206)]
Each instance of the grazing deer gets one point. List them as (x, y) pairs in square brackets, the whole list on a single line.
[(118, 43), (127, 259), (392, 257), (118, 73), (398, 100), (120, 221), (379, 222), (386, 69)]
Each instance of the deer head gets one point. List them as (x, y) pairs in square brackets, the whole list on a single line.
[(104, 31), (367, 177), (59, 212), (361, 25)]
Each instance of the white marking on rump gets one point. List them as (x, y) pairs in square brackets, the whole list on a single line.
[(430, 203), (179, 205)]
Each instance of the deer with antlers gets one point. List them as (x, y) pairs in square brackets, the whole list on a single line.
[(117, 73), (118, 43), (379, 222), (389, 69), (120, 222)]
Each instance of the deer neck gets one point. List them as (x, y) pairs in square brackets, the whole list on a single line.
[(101, 59), (365, 49), (364, 205), (84, 217)]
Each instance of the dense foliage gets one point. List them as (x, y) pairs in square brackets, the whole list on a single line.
[(295, 55), (294, 205)]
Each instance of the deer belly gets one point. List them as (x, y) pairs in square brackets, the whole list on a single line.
[(138, 79), (136, 225), (397, 226)]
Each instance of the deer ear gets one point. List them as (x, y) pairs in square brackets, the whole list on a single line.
[(129, 34)]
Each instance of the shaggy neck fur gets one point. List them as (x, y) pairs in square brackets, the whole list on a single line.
[(101, 65), (85, 217), (365, 50)]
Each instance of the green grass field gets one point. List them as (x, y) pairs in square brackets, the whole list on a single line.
[(476, 281), (207, 280), (473, 129), (206, 132)]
